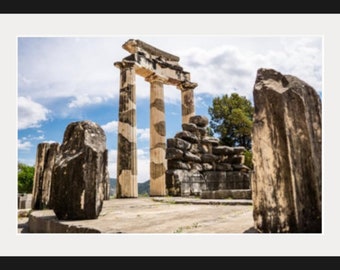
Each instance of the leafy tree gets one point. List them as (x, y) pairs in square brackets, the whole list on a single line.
[(232, 119), (210, 132), (248, 159), (25, 178)]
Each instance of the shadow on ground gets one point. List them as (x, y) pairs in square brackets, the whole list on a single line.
[(251, 230)]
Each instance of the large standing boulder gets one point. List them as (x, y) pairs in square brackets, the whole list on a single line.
[(286, 183), (44, 162), (79, 180)]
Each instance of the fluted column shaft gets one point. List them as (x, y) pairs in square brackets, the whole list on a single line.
[(188, 102), (127, 186), (158, 163)]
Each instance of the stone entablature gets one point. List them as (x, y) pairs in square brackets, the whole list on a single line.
[(149, 60)]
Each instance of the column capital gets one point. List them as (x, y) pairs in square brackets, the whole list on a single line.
[(156, 78), (186, 85), (124, 64)]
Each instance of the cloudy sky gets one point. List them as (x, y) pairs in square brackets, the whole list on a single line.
[(67, 79)]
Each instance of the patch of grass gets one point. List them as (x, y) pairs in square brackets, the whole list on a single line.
[(24, 213), (171, 201), (180, 229)]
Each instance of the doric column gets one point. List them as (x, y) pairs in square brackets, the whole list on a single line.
[(127, 186), (188, 103), (158, 164)]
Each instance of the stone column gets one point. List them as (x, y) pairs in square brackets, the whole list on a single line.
[(44, 162), (187, 96), (158, 164), (127, 137)]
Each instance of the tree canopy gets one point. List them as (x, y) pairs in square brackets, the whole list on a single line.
[(25, 178), (232, 119)]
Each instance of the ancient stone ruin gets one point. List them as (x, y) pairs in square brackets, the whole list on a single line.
[(286, 183), (44, 162), (158, 68), (199, 165), (80, 175)]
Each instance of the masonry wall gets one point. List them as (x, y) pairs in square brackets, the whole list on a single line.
[(197, 162)]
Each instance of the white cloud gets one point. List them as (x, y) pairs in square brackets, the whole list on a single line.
[(82, 100), (78, 69), (110, 127), (304, 60), (200, 102), (225, 69), (143, 172), (143, 164), (40, 137), (113, 156), (143, 133), (30, 113), (50, 141), (27, 161), (24, 145), (36, 138)]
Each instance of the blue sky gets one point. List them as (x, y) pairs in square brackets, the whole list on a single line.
[(65, 79)]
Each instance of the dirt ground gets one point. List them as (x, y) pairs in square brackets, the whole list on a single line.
[(165, 215)]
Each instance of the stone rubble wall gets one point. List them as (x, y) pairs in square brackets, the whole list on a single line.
[(197, 162)]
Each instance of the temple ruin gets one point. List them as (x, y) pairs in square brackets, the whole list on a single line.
[(285, 186), (158, 68)]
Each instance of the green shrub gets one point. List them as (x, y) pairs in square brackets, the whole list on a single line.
[(25, 178)]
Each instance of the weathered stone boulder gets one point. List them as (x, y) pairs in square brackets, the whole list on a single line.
[(187, 136), (44, 162), (199, 120), (178, 143), (286, 181), (79, 179)]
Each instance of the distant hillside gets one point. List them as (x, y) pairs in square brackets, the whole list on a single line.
[(143, 188)]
